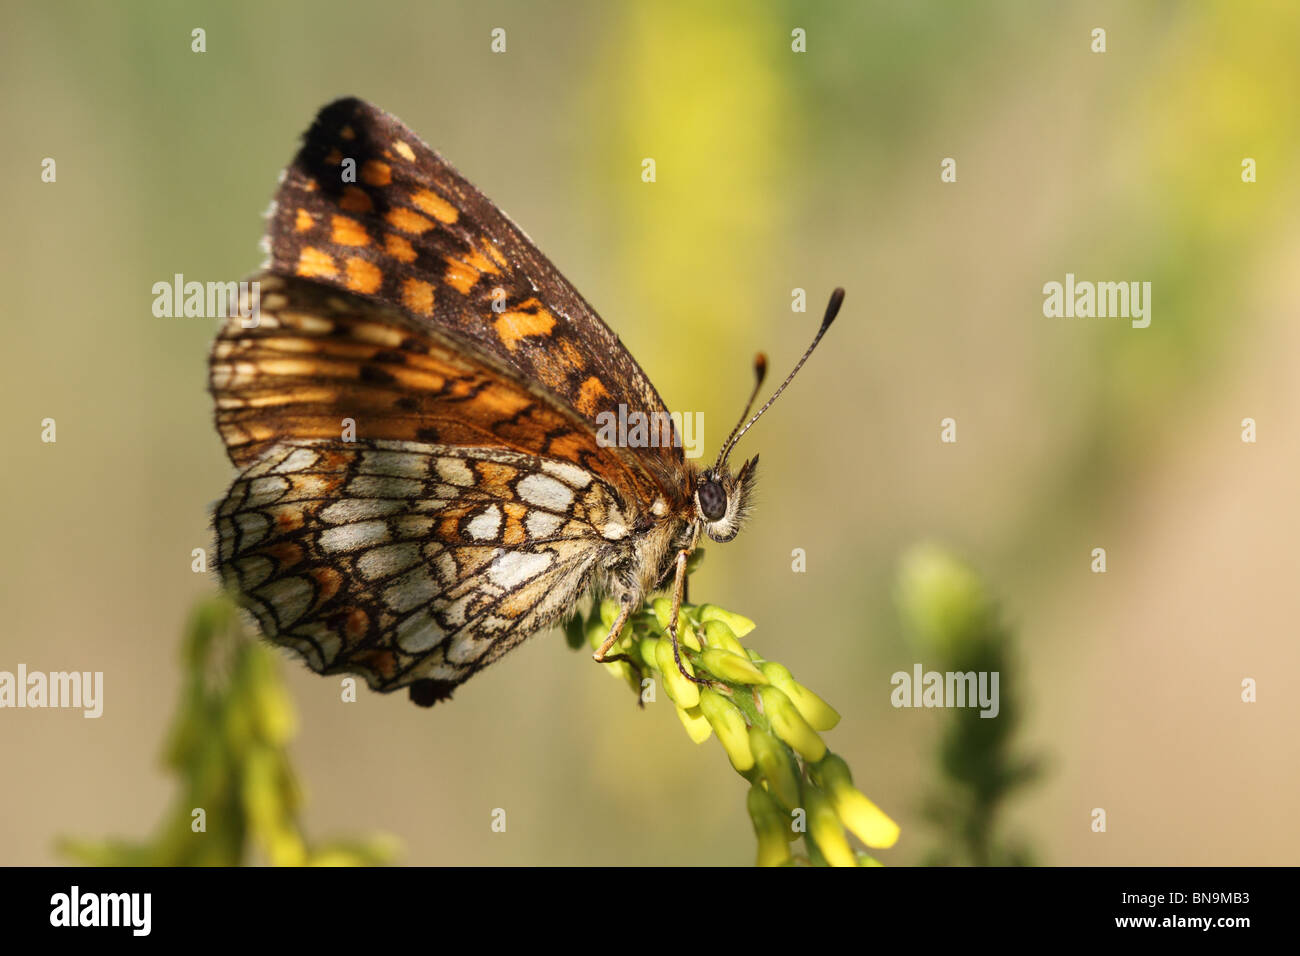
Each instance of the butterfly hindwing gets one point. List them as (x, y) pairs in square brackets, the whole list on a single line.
[(404, 561)]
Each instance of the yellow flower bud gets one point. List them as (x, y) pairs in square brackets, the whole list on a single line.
[(731, 667), (867, 821), (697, 726), (776, 766), (825, 829), (769, 827), (717, 634), (634, 677), (664, 614), (819, 714), (740, 625), (683, 692), (646, 648), (729, 724), (790, 726)]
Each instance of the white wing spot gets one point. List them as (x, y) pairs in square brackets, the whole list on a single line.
[(541, 524), (447, 570), (359, 509), (288, 597), (350, 537), (569, 474), (396, 464), (485, 525), (418, 633), (263, 491), (543, 491), (384, 486), (455, 472), (412, 589), (515, 567), (382, 562), (614, 530), (253, 527), (300, 460)]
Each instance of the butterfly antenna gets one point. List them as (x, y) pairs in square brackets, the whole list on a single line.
[(760, 373), (832, 310)]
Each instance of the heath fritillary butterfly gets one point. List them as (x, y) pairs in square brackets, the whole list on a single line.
[(413, 418)]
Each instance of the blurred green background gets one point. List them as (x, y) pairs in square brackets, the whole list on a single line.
[(776, 170)]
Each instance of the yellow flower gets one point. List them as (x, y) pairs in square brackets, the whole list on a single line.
[(775, 766), (732, 668), (867, 821), (684, 692), (769, 826), (729, 724), (696, 724), (790, 726), (826, 830), (819, 714)]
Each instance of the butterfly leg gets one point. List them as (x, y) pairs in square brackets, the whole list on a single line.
[(679, 591), (614, 632)]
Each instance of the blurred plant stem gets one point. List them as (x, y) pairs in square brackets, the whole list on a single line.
[(955, 625), (767, 723), (239, 795)]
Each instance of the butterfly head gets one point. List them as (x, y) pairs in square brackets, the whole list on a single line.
[(722, 500)]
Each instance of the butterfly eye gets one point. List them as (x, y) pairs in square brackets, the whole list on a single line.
[(713, 500)]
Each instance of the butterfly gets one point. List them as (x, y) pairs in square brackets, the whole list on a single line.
[(413, 416)]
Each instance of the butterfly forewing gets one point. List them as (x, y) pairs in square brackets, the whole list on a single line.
[(320, 361), (366, 206)]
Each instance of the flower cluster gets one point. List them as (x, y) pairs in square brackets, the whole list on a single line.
[(767, 722), (228, 745)]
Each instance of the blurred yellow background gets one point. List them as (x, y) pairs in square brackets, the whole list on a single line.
[(775, 170)]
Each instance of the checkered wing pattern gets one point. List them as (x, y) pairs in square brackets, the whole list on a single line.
[(405, 510)]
